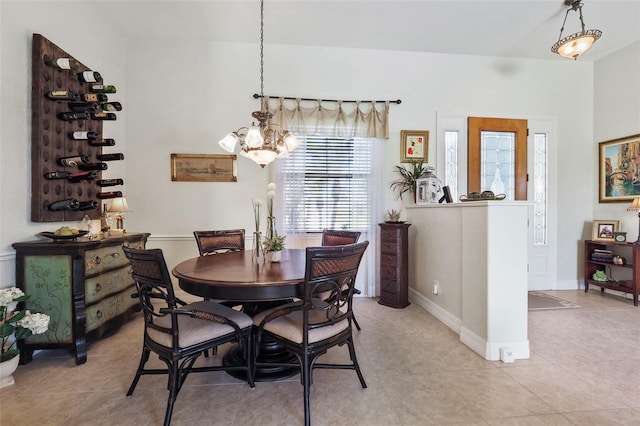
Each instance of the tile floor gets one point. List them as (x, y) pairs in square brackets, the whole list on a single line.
[(584, 370)]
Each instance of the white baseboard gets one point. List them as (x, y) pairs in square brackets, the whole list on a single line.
[(442, 315)]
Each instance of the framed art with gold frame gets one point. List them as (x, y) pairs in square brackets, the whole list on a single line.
[(603, 230), (617, 166), (414, 145), (203, 168)]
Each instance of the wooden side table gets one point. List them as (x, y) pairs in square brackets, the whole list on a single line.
[(394, 264)]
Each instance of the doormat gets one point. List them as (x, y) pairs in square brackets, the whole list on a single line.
[(539, 301)]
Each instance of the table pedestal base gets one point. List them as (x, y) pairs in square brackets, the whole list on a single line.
[(270, 352)]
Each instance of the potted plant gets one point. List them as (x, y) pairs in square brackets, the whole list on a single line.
[(15, 325), (408, 177), (273, 246)]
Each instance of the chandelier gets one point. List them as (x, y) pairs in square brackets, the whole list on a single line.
[(576, 44), (266, 141)]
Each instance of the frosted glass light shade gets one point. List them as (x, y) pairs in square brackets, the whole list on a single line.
[(254, 139), (119, 205), (261, 156), (291, 140), (228, 143), (576, 44)]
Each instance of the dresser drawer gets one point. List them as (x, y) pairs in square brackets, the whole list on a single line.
[(388, 298), (389, 235), (98, 260), (101, 286), (388, 273), (388, 247), (101, 312), (389, 286), (387, 259)]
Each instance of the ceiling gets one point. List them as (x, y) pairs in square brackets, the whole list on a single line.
[(510, 28)]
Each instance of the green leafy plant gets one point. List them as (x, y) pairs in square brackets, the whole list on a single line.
[(408, 177), (393, 215), (275, 243)]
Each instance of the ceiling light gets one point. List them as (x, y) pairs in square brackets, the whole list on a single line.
[(576, 44), (265, 141)]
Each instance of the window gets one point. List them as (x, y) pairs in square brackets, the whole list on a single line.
[(540, 188), (326, 183)]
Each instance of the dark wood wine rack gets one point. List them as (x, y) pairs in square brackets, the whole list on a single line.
[(50, 137)]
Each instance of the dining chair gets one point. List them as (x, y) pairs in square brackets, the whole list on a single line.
[(177, 332), (334, 237), (310, 326), (213, 242)]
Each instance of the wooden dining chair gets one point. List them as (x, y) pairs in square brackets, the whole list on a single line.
[(310, 326), (213, 242), (177, 332), (334, 237)]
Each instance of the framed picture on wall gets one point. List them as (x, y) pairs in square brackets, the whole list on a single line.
[(414, 145), (203, 168), (603, 230), (619, 169)]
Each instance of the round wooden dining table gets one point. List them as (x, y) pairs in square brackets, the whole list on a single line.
[(235, 276)]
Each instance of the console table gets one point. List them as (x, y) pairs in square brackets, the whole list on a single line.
[(84, 285)]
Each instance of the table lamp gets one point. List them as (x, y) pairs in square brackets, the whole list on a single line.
[(635, 207), (119, 206)]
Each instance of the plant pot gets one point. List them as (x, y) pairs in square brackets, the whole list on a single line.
[(6, 370), (274, 256)]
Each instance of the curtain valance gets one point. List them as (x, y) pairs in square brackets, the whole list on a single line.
[(345, 120)]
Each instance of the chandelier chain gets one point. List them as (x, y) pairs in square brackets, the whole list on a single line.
[(262, 51)]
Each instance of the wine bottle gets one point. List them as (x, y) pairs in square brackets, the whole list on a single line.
[(84, 107), (112, 194), (110, 157), (89, 76), (93, 166), (64, 63), (71, 116), (88, 205), (111, 106), (84, 135), (103, 142), (57, 175), (110, 182), (73, 160), (104, 116), (63, 95), (79, 177), (103, 88), (68, 204), (94, 97)]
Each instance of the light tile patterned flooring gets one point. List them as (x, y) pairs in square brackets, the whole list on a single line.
[(584, 370)]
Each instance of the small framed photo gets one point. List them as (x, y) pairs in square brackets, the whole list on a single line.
[(414, 145), (203, 168), (603, 230), (620, 237)]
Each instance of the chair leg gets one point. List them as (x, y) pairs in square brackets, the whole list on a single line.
[(249, 356), (352, 354), (355, 322), (174, 386), (306, 383), (143, 360)]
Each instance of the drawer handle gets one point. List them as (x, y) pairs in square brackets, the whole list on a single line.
[(99, 314), (98, 287)]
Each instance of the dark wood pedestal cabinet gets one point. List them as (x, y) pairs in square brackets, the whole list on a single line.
[(394, 264), (85, 286)]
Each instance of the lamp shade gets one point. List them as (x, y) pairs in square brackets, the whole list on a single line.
[(576, 44), (635, 205), (228, 143), (119, 205), (254, 139)]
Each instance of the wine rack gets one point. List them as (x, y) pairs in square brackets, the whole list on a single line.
[(50, 137)]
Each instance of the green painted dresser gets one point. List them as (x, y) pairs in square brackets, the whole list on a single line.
[(85, 286)]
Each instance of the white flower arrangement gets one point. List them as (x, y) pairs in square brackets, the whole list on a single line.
[(20, 324)]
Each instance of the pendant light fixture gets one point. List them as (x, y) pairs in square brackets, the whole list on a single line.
[(576, 44), (264, 142)]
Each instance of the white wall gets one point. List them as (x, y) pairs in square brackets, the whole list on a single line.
[(616, 115), (182, 98)]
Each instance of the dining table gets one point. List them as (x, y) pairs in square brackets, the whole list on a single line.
[(237, 276)]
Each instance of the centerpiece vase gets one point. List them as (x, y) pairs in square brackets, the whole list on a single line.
[(271, 227), (276, 256), (6, 370), (258, 253)]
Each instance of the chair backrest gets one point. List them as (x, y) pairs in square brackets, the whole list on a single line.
[(331, 269), (212, 242), (154, 286), (333, 237)]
